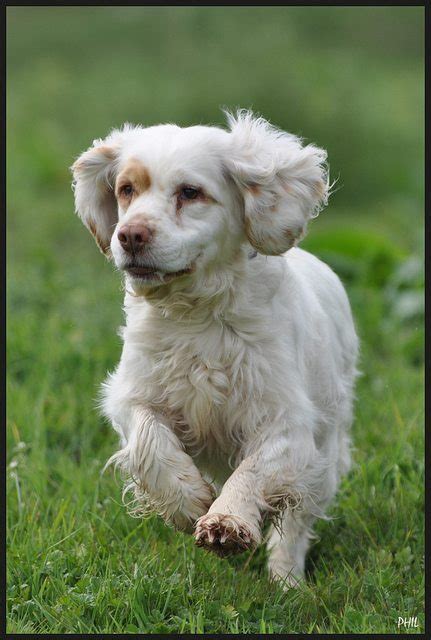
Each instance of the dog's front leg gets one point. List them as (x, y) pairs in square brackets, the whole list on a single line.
[(280, 471), (164, 477), (233, 521)]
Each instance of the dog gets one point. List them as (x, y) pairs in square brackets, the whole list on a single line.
[(234, 392)]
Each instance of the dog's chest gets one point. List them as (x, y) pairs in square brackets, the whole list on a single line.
[(197, 377)]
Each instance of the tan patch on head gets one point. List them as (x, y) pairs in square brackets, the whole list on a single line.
[(134, 174)]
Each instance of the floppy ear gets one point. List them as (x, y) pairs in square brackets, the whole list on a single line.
[(283, 183), (93, 184)]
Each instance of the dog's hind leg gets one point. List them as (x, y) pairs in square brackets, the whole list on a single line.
[(287, 545)]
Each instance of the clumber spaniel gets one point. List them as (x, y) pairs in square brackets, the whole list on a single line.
[(233, 395)]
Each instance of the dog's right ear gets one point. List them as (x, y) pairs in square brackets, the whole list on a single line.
[(93, 184), (283, 183)]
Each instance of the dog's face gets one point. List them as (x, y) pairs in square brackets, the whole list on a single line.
[(176, 207), (168, 202)]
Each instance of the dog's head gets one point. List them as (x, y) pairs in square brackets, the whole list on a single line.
[(167, 202)]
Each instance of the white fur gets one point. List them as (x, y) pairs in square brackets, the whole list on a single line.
[(233, 396)]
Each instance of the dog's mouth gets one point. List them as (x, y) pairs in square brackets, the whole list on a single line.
[(152, 274)]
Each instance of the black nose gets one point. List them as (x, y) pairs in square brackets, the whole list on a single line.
[(133, 237)]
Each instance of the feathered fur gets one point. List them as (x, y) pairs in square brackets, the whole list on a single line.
[(233, 396)]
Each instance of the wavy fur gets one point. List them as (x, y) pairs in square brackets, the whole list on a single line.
[(233, 396)]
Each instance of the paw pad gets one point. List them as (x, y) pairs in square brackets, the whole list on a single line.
[(223, 534)]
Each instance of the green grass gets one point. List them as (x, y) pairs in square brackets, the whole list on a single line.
[(349, 79)]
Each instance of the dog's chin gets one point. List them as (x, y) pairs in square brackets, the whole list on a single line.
[(150, 277)]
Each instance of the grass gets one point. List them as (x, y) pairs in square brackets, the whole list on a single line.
[(348, 78)]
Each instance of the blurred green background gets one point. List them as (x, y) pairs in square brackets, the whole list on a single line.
[(349, 79)]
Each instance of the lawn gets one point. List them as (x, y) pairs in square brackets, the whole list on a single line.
[(350, 79)]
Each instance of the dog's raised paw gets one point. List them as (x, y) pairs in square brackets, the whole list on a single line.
[(223, 534)]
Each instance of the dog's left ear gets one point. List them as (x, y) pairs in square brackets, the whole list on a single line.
[(93, 184), (283, 183)]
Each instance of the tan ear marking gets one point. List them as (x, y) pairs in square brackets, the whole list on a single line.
[(320, 188), (291, 237), (254, 189), (78, 165), (108, 152), (83, 161), (250, 235), (102, 245)]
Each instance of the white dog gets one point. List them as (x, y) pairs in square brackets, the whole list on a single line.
[(233, 395)]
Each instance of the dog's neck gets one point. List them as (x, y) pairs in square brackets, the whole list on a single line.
[(218, 290)]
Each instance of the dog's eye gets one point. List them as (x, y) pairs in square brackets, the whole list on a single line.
[(126, 190), (189, 193)]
